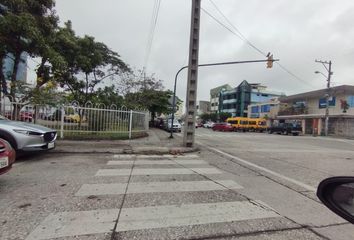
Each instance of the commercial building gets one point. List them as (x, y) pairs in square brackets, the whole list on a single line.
[(203, 107), (214, 96), (8, 66), (310, 109), (237, 100), (266, 110)]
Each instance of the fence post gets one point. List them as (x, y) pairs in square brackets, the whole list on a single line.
[(130, 124), (62, 122), (146, 121)]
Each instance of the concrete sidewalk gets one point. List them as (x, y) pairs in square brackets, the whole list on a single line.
[(158, 142)]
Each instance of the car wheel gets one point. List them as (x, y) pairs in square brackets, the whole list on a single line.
[(270, 132), (10, 140)]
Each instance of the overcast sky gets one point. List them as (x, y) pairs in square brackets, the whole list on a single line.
[(296, 32)]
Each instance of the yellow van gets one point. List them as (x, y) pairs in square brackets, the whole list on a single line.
[(257, 124), (238, 123)]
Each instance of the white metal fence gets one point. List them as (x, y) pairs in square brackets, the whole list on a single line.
[(75, 121)]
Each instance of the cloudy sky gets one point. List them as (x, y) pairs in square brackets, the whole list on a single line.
[(296, 32)]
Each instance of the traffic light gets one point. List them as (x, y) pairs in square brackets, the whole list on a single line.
[(270, 61)]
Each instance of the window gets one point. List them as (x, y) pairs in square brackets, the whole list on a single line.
[(322, 102), (233, 121), (265, 108), (350, 101), (255, 109)]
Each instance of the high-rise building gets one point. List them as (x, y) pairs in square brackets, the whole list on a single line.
[(214, 96), (236, 101)]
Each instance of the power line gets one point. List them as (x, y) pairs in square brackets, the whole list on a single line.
[(239, 34), (237, 30), (153, 23)]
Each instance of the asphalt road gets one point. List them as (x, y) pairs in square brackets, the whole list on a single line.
[(239, 186)]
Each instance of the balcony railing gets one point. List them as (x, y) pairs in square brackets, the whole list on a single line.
[(293, 111)]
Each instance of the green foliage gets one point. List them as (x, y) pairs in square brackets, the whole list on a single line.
[(223, 116), (25, 27), (156, 101), (215, 117)]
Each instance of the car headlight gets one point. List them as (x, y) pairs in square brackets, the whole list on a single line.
[(26, 132)]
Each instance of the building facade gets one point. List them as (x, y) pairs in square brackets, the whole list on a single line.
[(266, 110), (203, 107), (214, 97), (237, 100), (310, 109)]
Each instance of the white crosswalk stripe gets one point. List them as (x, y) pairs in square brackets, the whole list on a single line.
[(157, 162), (156, 171), (99, 221), (150, 187)]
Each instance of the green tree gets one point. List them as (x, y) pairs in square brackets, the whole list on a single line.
[(24, 26), (223, 116), (89, 63), (156, 101)]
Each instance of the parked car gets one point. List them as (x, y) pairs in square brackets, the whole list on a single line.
[(26, 136), (26, 116), (73, 118), (176, 126), (224, 127), (286, 128), (7, 156), (208, 124)]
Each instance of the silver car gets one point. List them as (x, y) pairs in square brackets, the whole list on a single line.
[(27, 137)]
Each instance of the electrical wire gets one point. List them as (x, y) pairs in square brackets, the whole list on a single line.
[(153, 23), (239, 34)]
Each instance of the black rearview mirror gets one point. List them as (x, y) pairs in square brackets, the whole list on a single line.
[(337, 193)]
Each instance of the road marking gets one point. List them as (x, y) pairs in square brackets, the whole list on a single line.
[(67, 224), (157, 162), (156, 171), (303, 185), (155, 187), (131, 156)]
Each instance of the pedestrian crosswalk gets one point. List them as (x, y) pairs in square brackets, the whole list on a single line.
[(139, 218)]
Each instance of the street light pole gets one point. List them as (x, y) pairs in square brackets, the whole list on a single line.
[(174, 101), (329, 70), (204, 65)]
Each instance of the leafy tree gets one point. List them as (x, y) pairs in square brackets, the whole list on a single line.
[(223, 116), (89, 63), (24, 26), (156, 101)]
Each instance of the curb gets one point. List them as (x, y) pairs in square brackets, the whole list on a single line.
[(133, 150)]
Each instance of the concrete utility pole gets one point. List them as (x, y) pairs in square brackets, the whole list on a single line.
[(189, 126), (329, 70)]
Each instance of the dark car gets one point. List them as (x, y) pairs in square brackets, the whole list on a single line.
[(7, 156), (286, 128), (224, 127)]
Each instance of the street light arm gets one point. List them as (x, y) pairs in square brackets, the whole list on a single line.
[(204, 65)]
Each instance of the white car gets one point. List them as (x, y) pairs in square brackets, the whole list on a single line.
[(27, 137), (176, 126), (208, 124)]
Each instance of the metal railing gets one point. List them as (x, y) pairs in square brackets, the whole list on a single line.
[(75, 121)]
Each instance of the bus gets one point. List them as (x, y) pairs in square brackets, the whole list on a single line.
[(238, 123)]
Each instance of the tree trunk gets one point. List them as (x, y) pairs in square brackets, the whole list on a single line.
[(16, 107)]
